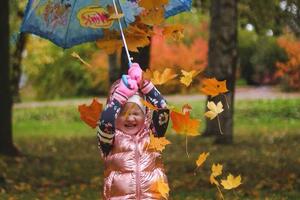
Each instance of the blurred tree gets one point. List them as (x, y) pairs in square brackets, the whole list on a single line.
[(114, 69), (270, 15), (16, 16), (6, 141), (222, 62)]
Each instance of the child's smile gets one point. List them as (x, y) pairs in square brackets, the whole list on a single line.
[(131, 119)]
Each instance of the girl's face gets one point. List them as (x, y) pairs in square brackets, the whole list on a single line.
[(131, 119)]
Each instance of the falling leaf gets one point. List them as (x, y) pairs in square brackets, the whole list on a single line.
[(75, 55), (136, 37), (148, 105), (213, 180), (153, 16), (174, 31), (186, 108), (150, 4), (147, 75), (187, 77), (231, 182), (216, 170), (213, 87), (158, 143), (109, 45), (201, 159), (90, 114), (214, 109), (159, 78), (115, 16), (163, 188), (183, 124)]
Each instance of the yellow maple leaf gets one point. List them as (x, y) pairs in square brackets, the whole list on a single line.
[(231, 182), (158, 143), (150, 4), (153, 16), (214, 109), (159, 78), (213, 87), (163, 188), (183, 124), (174, 31), (201, 159), (187, 77), (216, 170)]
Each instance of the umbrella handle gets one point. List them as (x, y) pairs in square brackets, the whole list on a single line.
[(124, 77), (125, 81)]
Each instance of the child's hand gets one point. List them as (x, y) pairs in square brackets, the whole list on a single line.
[(135, 72), (123, 92)]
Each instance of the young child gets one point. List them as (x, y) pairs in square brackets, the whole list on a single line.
[(131, 169)]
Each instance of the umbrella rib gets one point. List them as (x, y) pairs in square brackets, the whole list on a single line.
[(69, 22)]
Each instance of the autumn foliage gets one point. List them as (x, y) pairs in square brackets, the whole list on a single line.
[(289, 71), (178, 55)]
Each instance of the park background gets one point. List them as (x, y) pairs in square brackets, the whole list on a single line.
[(55, 154)]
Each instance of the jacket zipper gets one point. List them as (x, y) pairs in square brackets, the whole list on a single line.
[(137, 170)]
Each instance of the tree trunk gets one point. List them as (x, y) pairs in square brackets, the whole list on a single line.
[(222, 63), (6, 141), (114, 70), (142, 57), (16, 67)]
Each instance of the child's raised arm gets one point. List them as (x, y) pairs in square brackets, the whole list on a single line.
[(160, 118), (106, 125)]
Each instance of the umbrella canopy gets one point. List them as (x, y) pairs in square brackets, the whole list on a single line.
[(70, 22)]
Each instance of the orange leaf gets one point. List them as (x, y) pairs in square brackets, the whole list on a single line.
[(153, 16), (183, 124), (213, 87), (148, 105), (109, 45), (136, 37), (174, 31), (90, 114), (147, 74), (150, 4)]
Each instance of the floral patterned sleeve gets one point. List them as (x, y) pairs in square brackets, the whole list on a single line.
[(106, 125), (160, 117)]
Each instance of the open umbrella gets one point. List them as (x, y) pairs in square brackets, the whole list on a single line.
[(71, 22)]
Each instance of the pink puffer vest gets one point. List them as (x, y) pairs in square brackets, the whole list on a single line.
[(131, 169)]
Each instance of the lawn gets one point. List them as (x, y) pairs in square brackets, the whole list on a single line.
[(62, 161)]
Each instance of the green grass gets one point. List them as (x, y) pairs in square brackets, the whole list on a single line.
[(62, 161)]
